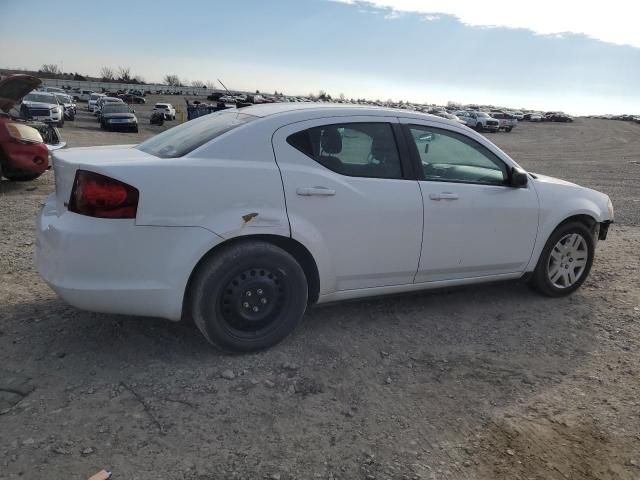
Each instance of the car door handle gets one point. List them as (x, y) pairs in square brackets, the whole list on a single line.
[(318, 191), (443, 196)]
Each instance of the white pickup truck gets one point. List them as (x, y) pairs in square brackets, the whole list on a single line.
[(482, 121), (507, 121)]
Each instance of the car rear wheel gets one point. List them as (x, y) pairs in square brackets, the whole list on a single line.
[(565, 261), (20, 177), (248, 297)]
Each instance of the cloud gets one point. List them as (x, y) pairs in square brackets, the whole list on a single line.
[(613, 21)]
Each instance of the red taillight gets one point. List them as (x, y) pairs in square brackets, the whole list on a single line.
[(98, 196)]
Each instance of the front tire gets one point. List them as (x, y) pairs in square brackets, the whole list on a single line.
[(248, 297), (565, 261)]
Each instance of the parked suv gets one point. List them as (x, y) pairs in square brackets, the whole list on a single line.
[(167, 109), (43, 106), (93, 100)]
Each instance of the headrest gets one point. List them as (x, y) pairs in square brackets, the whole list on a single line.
[(331, 141), (380, 148)]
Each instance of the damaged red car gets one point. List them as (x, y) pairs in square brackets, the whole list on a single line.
[(24, 144)]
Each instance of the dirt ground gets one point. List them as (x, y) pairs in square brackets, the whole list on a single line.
[(487, 382)]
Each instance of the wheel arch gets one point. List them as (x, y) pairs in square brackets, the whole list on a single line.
[(288, 244), (588, 219)]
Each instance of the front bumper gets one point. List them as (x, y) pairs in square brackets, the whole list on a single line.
[(603, 229), (116, 266)]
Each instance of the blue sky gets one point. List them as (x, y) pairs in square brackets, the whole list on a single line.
[(535, 55)]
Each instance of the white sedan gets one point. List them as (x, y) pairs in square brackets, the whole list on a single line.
[(244, 218)]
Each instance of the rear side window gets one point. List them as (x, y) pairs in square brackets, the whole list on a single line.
[(188, 136), (352, 149)]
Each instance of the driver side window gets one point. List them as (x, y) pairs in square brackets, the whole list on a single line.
[(452, 157)]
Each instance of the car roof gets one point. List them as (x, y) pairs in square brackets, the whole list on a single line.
[(316, 110), (40, 92)]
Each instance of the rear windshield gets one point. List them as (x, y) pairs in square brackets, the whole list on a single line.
[(115, 108), (185, 138), (161, 105)]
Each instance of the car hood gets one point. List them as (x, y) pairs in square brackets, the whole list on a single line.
[(553, 180), (39, 104), (118, 115), (14, 88)]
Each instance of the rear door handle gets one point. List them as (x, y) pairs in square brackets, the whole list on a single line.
[(317, 191), (443, 196)]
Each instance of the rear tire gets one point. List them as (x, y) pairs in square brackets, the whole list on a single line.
[(21, 177), (565, 261), (248, 297)]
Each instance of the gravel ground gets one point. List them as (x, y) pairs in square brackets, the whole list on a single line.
[(486, 382)]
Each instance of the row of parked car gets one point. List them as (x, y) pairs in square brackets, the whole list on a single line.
[(49, 104)]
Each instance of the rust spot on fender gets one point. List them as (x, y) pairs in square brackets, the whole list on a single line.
[(249, 216)]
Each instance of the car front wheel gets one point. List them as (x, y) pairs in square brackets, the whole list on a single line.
[(565, 261), (248, 296)]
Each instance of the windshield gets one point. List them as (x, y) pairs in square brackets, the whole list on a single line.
[(63, 98), (185, 138), (115, 108), (42, 98), (483, 115)]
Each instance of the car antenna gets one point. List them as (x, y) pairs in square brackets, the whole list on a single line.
[(224, 86)]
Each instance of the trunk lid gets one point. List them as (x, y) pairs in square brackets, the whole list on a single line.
[(103, 160)]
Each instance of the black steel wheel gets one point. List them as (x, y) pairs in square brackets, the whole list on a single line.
[(248, 296), (252, 300)]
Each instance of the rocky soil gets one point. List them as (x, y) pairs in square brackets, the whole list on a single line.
[(487, 382)]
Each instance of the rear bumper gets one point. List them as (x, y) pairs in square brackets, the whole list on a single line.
[(116, 266)]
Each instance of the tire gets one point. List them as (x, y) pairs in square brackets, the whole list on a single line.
[(226, 296), (21, 177), (553, 258), (479, 127), (135, 130), (508, 129), (60, 124)]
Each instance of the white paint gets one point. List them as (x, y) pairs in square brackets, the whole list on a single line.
[(367, 239)]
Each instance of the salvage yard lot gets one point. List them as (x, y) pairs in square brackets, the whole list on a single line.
[(486, 382)]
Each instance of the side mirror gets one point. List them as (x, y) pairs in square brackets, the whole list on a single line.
[(518, 178)]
